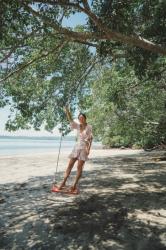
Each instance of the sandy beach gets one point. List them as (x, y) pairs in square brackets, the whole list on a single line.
[(121, 204)]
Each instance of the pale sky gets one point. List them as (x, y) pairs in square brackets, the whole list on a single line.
[(3, 118), (4, 112)]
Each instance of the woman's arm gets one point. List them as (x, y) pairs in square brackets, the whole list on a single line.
[(89, 139), (68, 113), (73, 124), (89, 145)]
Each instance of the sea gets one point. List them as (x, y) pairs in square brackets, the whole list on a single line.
[(20, 145)]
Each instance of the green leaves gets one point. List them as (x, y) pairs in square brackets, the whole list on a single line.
[(125, 110), (46, 65), (40, 91), (136, 18)]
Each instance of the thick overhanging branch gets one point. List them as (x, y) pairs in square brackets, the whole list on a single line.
[(43, 55), (105, 32), (86, 9), (136, 42), (69, 34), (85, 4)]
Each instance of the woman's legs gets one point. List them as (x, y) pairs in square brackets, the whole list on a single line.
[(79, 173), (67, 172)]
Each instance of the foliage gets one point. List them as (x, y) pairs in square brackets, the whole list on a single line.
[(125, 110), (113, 67), (41, 91), (139, 18)]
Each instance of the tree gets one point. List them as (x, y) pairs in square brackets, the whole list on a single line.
[(41, 90), (39, 52), (125, 110), (119, 22)]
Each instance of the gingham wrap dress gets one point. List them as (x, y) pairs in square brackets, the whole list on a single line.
[(83, 139)]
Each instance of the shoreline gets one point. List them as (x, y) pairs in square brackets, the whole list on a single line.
[(68, 150)]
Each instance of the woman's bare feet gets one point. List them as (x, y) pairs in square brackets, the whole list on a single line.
[(73, 189), (62, 185)]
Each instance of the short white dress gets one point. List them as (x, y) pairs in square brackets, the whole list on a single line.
[(83, 139)]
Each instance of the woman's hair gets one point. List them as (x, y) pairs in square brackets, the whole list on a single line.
[(82, 115)]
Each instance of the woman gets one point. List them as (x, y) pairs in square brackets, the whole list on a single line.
[(81, 149)]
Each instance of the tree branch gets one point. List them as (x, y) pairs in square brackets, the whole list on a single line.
[(86, 43), (82, 77), (105, 32), (60, 3), (8, 54), (85, 4), (45, 54), (18, 44), (69, 34)]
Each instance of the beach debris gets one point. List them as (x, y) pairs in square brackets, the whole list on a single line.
[(20, 186), (2, 200)]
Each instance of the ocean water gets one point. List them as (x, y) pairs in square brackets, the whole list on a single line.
[(15, 145)]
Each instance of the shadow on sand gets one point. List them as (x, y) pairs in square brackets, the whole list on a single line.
[(121, 206)]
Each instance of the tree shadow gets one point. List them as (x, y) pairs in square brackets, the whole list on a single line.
[(120, 206)]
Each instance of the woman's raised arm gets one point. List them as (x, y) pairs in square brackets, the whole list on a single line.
[(68, 114)]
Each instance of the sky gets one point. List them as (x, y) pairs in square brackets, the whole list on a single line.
[(76, 19), (3, 118)]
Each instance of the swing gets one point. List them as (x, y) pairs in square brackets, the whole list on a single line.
[(66, 189)]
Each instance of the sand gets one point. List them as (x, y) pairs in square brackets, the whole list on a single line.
[(121, 204)]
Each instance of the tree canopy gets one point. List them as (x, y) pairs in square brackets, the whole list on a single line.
[(118, 57), (130, 29), (131, 110)]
